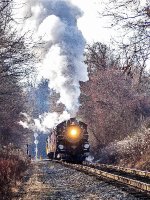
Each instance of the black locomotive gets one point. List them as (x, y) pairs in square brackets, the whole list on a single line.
[(68, 141)]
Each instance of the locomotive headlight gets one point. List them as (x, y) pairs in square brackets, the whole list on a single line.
[(60, 146), (86, 146), (74, 134)]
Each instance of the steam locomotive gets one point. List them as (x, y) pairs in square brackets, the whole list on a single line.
[(68, 141)]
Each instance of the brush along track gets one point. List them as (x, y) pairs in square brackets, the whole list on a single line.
[(93, 169)]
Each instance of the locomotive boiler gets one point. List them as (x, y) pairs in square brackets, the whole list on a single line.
[(68, 141)]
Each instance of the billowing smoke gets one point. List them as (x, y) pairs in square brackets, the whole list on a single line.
[(49, 120), (54, 24), (45, 121)]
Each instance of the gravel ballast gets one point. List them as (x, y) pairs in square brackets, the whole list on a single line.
[(46, 180)]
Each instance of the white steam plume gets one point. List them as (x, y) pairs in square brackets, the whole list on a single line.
[(54, 23), (45, 122)]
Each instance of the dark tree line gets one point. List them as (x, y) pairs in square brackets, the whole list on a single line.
[(15, 57)]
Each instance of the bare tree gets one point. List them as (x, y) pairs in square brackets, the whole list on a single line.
[(15, 64), (110, 106), (134, 18), (100, 57)]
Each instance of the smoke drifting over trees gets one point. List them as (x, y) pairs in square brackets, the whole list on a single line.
[(61, 51)]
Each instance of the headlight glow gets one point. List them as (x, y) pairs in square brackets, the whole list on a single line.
[(74, 134)]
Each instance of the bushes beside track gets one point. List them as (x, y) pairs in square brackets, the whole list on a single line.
[(132, 152), (13, 163)]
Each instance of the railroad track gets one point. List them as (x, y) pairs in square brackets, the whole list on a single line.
[(134, 179), (139, 173)]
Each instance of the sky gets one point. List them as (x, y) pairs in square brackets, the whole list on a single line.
[(91, 25)]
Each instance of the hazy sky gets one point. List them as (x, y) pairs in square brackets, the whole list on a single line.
[(91, 25)]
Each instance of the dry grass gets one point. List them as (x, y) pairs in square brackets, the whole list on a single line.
[(11, 171)]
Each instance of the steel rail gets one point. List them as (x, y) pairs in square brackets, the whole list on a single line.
[(141, 186), (127, 170)]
